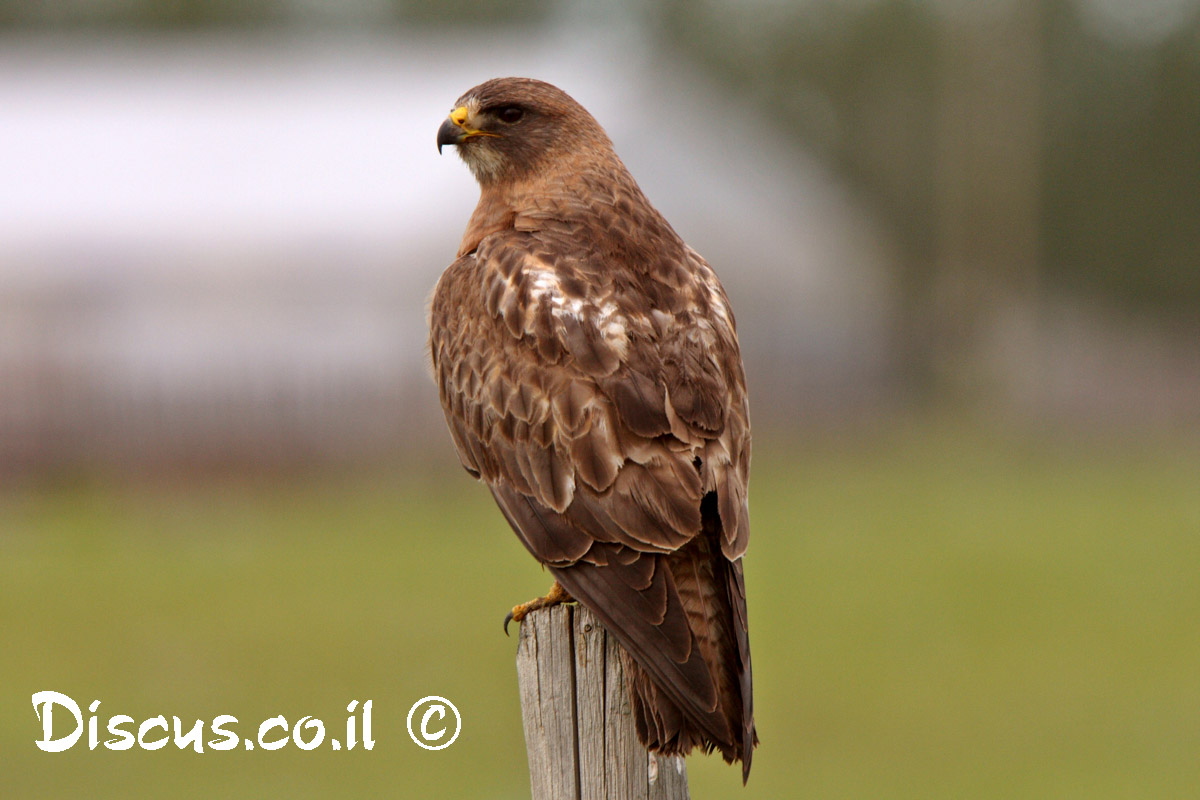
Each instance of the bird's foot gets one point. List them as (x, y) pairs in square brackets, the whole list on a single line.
[(556, 595)]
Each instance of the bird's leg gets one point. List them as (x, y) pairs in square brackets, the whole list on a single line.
[(556, 595)]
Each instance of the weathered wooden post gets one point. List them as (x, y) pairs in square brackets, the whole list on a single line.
[(578, 724)]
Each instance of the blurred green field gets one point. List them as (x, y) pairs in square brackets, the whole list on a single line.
[(934, 613)]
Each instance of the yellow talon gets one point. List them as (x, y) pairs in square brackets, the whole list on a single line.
[(556, 595)]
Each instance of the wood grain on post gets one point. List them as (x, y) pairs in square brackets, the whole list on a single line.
[(579, 729)]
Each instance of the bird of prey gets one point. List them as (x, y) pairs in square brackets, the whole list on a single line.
[(589, 370)]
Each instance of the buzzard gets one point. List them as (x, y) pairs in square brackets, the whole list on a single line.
[(589, 370)]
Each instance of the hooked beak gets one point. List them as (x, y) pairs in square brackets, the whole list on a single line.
[(454, 129), (449, 133)]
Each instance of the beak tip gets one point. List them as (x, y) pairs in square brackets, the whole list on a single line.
[(448, 133)]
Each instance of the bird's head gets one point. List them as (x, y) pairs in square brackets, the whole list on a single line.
[(508, 127)]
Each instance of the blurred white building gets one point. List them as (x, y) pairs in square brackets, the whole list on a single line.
[(222, 248)]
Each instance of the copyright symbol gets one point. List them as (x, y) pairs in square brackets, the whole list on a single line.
[(432, 728)]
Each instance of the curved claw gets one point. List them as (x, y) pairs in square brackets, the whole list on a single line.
[(556, 595)]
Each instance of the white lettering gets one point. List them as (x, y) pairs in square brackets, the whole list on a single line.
[(231, 738), (47, 700), (312, 724), (127, 739), (368, 742), (124, 732), (154, 722), (93, 737), (192, 738), (273, 722), (440, 710), (351, 741)]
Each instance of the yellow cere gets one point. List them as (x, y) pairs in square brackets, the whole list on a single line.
[(459, 115)]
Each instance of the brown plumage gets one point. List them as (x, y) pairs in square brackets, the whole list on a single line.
[(589, 369)]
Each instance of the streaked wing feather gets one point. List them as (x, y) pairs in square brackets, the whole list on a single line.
[(599, 425)]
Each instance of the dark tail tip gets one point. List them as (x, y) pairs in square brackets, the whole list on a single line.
[(749, 742)]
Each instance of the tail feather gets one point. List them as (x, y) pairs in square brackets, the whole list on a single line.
[(712, 592), (680, 619)]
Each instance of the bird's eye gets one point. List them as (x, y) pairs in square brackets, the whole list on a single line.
[(510, 114)]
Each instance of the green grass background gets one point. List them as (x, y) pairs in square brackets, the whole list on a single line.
[(937, 612)]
